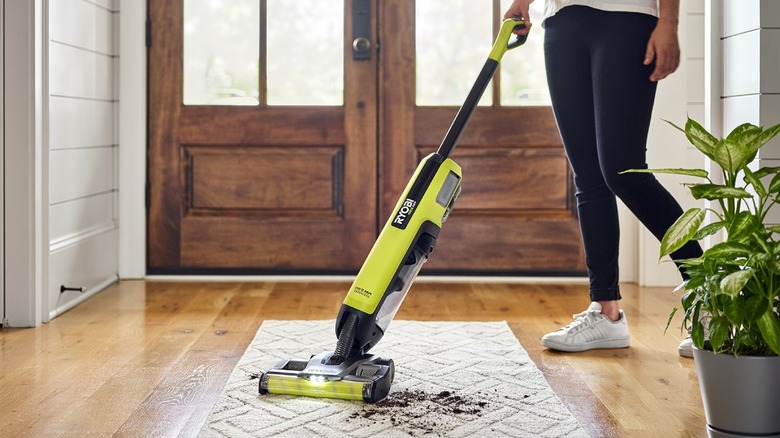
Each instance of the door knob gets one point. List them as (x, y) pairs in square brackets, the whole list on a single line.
[(361, 45)]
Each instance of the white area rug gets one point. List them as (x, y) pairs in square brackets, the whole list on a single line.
[(453, 379)]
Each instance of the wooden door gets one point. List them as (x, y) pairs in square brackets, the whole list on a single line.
[(239, 183), (264, 187), (516, 213)]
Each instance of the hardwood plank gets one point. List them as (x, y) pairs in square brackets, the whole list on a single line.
[(151, 358)]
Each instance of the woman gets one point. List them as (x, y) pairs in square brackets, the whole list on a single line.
[(604, 59)]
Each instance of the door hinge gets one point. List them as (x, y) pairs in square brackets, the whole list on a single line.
[(148, 33)]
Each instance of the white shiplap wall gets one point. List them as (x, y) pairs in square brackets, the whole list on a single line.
[(751, 71), (83, 148)]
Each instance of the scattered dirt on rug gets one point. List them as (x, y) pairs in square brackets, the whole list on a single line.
[(419, 413)]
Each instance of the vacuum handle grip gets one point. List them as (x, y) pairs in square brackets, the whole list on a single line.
[(502, 43)]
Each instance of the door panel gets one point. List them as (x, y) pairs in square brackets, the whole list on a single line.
[(516, 211), (242, 187)]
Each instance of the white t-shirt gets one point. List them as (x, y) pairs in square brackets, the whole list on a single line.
[(650, 7)]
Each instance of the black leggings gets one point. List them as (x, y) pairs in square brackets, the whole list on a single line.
[(602, 98)]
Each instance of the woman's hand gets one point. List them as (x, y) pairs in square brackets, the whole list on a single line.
[(519, 9), (664, 48)]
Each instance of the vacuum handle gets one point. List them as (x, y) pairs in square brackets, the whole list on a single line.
[(500, 47), (502, 43)]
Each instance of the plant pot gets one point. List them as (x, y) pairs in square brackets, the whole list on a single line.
[(741, 395)]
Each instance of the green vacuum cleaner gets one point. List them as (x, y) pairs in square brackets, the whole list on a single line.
[(380, 287)]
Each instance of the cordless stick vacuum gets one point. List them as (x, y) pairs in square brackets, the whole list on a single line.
[(399, 252)]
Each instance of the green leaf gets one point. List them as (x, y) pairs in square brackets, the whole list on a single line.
[(774, 185), (741, 130), (764, 171), (743, 341), (688, 299), (694, 282), (681, 231), (754, 308), (751, 179), (701, 173), (733, 283), (726, 250), (730, 155), (742, 226), (700, 138), (719, 332), (735, 311), (669, 320), (763, 138), (769, 326), (708, 230), (774, 228), (715, 192), (697, 334), (745, 134)]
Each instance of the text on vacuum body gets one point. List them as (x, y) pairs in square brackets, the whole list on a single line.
[(404, 213)]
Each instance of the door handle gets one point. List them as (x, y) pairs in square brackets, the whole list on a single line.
[(361, 45), (361, 30)]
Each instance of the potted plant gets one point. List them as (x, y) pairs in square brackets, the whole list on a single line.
[(735, 284)]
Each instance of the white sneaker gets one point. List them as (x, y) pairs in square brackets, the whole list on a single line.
[(589, 330), (685, 349)]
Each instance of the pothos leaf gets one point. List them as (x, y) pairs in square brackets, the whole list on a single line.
[(769, 325), (719, 331)]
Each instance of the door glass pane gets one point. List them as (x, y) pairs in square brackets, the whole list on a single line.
[(453, 39), (221, 52), (523, 76), (305, 52)]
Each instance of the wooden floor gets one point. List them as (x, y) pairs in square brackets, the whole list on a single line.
[(151, 358)]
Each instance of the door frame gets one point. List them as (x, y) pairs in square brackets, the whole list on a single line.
[(25, 180), (2, 163), (132, 139)]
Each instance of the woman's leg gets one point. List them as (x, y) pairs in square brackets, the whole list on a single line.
[(624, 97), (569, 75), (568, 61)]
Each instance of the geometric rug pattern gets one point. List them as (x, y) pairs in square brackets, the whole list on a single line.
[(453, 379)]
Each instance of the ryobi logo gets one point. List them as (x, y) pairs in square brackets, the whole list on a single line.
[(404, 213)]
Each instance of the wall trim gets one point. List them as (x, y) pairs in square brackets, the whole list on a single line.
[(77, 238)]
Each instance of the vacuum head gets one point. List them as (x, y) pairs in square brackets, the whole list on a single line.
[(365, 378)]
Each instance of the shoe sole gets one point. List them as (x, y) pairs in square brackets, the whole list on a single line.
[(685, 352), (603, 344)]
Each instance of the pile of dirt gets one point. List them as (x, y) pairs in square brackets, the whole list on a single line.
[(419, 413)]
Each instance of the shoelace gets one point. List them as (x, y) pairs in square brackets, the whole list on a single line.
[(582, 320)]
